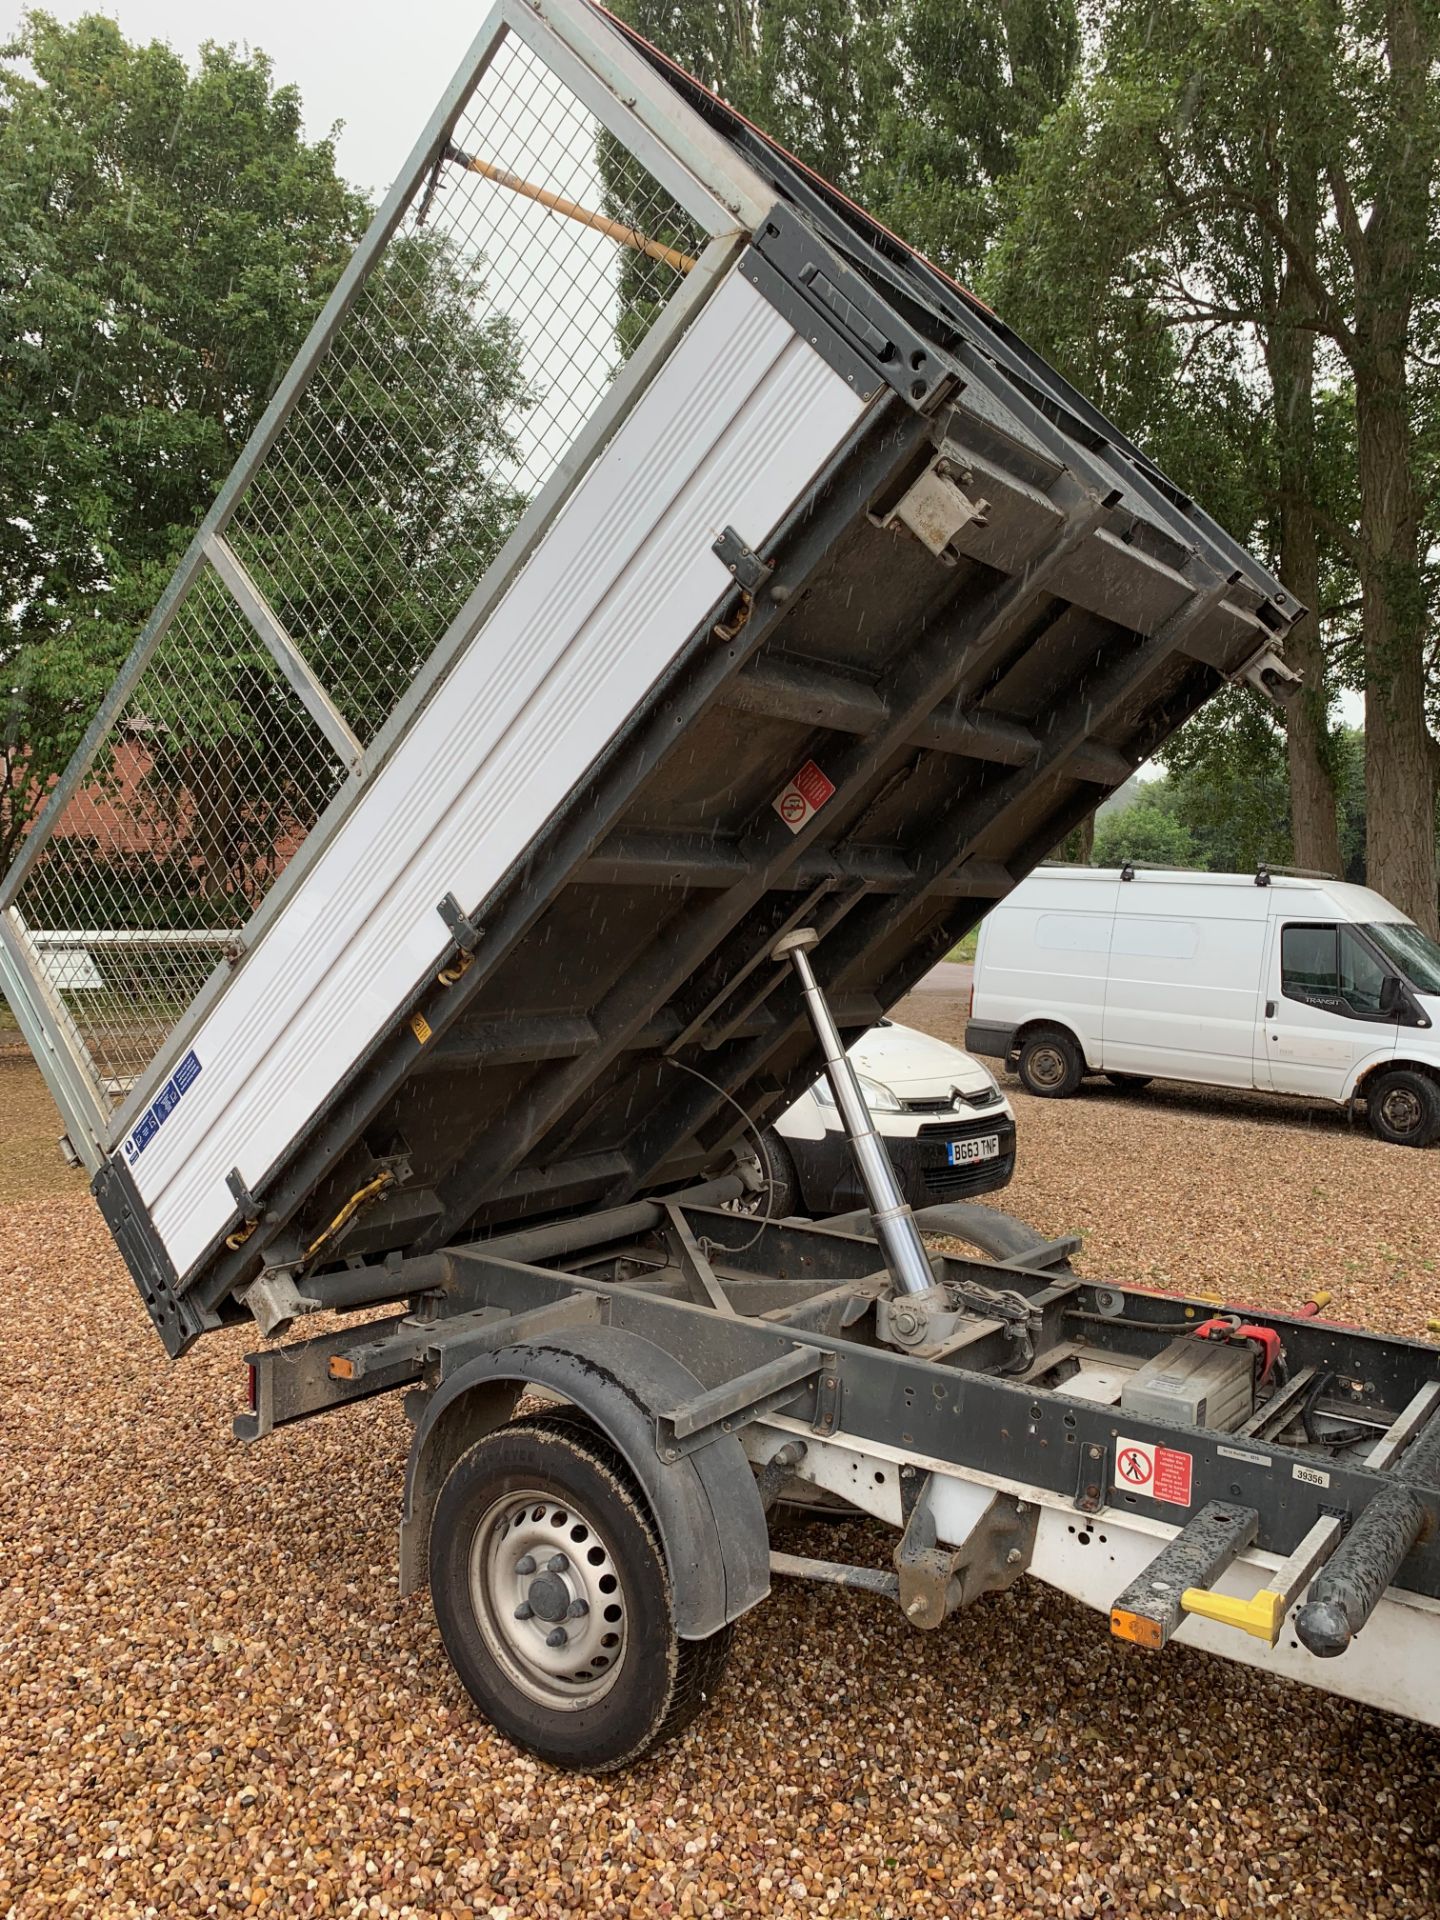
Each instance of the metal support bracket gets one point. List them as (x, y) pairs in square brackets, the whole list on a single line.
[(1092, 1478), (1267, 673), (275, 1301), (689, 1256), (735, 1403), (829, 1399), (935, 1578), (937, 510)]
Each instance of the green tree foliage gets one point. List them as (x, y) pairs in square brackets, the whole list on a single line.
[(974, 79), (165, 241), (1147, 831), (1228, 784), (915, 108), (1226, 233), (393, 492)]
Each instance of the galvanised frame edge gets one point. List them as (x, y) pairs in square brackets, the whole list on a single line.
[(268, 628), (703, 172), (47, 1034)]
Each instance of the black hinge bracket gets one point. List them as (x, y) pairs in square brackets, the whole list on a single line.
[(1093, 1478), (821, 294), (250, 1208), (463, 931), (742, 561)]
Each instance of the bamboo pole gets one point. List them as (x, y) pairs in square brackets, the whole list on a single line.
[(572, 210)]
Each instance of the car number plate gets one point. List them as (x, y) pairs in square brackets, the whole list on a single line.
[(964, 1153)]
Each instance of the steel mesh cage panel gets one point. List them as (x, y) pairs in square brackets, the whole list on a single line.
[(197, 797), (482, 341), (484, 323)]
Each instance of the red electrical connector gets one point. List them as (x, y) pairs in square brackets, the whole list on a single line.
[(1224, 1326)]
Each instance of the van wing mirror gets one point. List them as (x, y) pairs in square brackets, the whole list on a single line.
[(1392, 994)]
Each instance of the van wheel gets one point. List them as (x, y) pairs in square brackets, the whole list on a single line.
[(1404, 1108), (1051, 1066), (553, 1599), (1129, 1079)]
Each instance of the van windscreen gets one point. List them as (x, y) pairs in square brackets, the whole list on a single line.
[(1412, 953)]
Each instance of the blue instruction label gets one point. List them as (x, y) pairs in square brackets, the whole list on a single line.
[(162, 1106)]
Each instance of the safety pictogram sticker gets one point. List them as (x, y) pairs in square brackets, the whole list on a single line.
[(806, 793), (1159, 1473)]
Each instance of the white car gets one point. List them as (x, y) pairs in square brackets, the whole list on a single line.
[(949, 1129)]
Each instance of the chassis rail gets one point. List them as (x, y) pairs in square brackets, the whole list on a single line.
[(986, 1473)]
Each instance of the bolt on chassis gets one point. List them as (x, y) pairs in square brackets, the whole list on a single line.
[(531, 777)]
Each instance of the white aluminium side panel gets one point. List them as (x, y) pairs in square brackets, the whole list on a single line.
[(731, 429)]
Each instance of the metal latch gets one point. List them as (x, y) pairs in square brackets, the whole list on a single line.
[(463, 932), (250, 1209), (742, 561)]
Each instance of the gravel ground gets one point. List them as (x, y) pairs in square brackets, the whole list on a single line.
[(213, 1702)]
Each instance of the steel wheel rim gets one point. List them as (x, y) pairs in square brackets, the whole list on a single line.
[(1400, 1110), (531, 1529), (1047, 1066)]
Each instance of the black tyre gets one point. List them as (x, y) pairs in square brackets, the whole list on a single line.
[(783, 1196), (1404, 1107), (1129, 1079), (1051, 1066), (539, 1531)]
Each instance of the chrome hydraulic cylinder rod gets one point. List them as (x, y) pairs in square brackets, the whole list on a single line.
[(894, 1224)]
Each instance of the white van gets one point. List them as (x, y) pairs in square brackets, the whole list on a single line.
[(1291, 985)]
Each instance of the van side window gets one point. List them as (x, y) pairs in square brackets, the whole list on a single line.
[(1309, 963), (1327, 966)]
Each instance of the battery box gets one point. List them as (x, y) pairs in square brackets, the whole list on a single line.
[(1197, 1382)]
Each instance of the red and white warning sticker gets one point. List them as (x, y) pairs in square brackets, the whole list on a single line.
[(1159, 1473), (803, 798)]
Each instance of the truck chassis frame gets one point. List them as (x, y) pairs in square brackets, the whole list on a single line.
[(735, 1362)]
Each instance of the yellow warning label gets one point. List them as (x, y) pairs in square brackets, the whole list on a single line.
[(420, 1027)]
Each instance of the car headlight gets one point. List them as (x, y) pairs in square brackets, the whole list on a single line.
[(878, 1098)]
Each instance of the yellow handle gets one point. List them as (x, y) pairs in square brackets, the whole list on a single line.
[(1263, 1616)]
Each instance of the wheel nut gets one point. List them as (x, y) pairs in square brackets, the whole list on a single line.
[(557, 1637), (577, 1610), (526, 1565), (524, 1611), (557, 1563)]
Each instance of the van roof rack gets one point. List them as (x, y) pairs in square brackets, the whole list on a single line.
[(1264, 871)]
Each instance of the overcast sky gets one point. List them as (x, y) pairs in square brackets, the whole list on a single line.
[(378, 67)]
